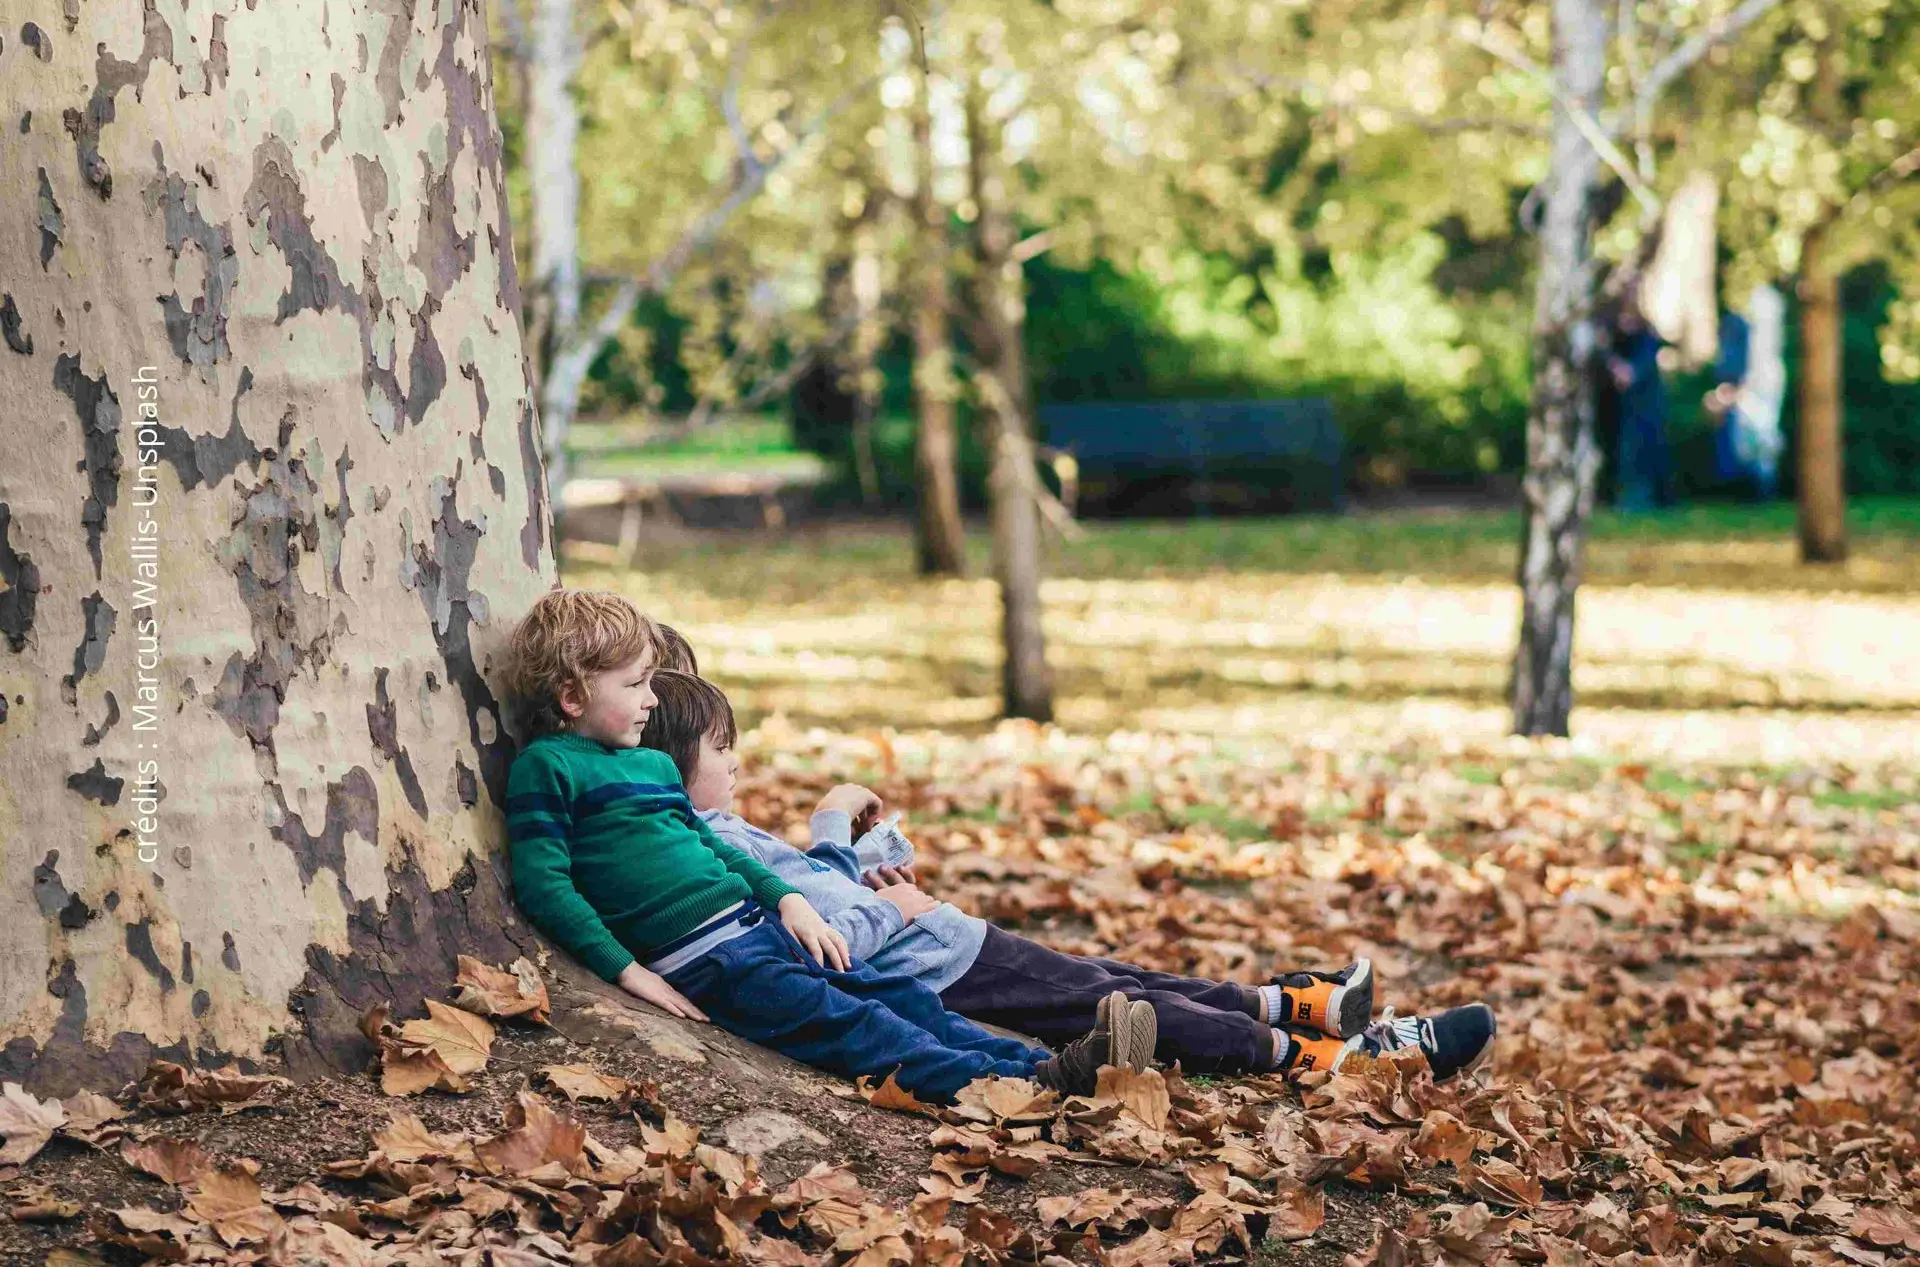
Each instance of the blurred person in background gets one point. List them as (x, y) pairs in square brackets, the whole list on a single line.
[(1645, 464), (1745, 405)]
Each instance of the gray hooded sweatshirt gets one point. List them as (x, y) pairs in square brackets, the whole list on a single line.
[(936, 949)]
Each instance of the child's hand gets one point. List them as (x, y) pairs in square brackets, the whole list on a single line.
[(821, 941), (882, 877), (855, 802), (652, 987), (909, 901)]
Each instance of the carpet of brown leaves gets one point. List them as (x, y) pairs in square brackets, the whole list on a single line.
[(1704, 975)]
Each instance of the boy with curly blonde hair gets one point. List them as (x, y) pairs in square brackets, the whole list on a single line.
[(609, 860)]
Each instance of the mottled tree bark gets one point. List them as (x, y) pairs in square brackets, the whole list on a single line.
[(1822, 477), (276, 496), (1006, 416), (940, 544), (1562, 460)]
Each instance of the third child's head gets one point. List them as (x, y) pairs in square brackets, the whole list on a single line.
[(583, 661), (693, 724)]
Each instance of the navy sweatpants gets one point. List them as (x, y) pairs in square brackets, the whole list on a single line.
[(1037, 990), (764, 987)]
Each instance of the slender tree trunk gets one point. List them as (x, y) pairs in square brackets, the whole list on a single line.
[(268, 535), (1822, 472), (1007, 422), (939, 539), (869, 333), (1823, 492), (1562, 460), (553, 136)]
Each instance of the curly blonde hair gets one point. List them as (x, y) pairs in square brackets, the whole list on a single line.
[(568, 636)]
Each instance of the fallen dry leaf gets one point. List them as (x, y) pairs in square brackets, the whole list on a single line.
[(26, 1123), (583, 1082), (177, 1161), (228, 1199), (490, 991)]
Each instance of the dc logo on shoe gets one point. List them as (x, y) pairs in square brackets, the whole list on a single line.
[(1306, 1012)]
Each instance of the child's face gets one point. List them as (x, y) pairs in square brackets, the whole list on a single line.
[(617, 703), (711, 786)]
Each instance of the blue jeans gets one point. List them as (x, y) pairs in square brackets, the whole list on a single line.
[(764, 987)]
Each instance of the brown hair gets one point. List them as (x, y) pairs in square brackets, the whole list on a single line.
[(690, 707), (676, 652), (569, 635)]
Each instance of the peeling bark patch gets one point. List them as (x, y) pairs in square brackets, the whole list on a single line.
[(440, 576), (465, 785), (52, 221), (99, 618), (10, 328), (471, 121), (49, 894), (405, 954), (99, 412), (68, 1062), (96, 784), (229, 956), (199, 333), (110, 76), (211, 458), (371, 180), (217, 53), (383, 729), (278, 519), (427, 370), (353, 804), (38, 40), (275, 193), (201, 1002), (140, 946), (19, 589), (339, 98), (533, 468), (96, 733)]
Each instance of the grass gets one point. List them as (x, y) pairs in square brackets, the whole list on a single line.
[(1714, 545)]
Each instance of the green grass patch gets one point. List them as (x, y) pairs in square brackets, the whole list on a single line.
[(1841, 799)]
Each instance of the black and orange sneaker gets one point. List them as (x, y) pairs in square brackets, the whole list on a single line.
[(1337, 1003), (1458, 1040), (1307, 1051)]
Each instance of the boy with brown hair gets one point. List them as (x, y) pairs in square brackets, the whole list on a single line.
[(609, 860), (1300, 1021)]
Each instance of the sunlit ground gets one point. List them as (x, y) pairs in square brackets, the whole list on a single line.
[(1364, 630), (1283, 744)]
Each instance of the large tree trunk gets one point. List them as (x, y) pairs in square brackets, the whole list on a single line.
[(940, 544), (1562, 460), (1007, 420), (260, 539), (553, 136)]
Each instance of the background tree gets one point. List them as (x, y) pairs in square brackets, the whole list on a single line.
[(284, 574), (1818, 128)]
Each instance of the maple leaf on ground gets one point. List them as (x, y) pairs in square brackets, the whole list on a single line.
[(228, 1200), (536, 1138), (177, 1161), (490, 991), (26, 1123), (93, 1119), (583, 1082), (1501, 1181), (891, 1095), (1013, 1101), (1442, 1137), (39, 1205), (1886, 1226), (1143, 1094), (173, 1088)]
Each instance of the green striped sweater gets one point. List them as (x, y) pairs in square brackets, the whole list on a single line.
[(608, 857)]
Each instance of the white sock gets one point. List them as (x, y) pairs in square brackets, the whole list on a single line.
[(1274, 1002)]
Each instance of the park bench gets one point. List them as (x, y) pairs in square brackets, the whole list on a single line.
[(1180, 456)]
